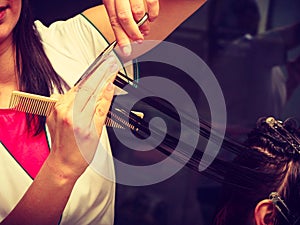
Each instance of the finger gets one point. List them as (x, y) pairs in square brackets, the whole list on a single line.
[(97, 73), (138, 11), (120, 35), (64, 102), (102, 106), (62, 110), (126, 19), (153, 9), (88, 91), (52, 115)]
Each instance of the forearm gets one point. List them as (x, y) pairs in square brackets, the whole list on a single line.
[(290, 35), (172, 14), (45, 200)]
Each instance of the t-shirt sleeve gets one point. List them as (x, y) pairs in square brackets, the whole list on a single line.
[(72, 45)]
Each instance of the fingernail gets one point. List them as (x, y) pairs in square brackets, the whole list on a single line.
[(110, 86), (140, 41), (126, 50), (114, 68), (145, 32)]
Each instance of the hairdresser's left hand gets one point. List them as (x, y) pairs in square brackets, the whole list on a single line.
[(124, 15), (76, 122)]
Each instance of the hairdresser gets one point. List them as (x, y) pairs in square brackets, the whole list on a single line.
[(45, 171)]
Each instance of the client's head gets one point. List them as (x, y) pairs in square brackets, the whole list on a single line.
[(263, 184)]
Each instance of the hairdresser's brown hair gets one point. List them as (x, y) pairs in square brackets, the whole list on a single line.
[(34, 69)]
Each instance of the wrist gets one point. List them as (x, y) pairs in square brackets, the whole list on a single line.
[(61, 172)]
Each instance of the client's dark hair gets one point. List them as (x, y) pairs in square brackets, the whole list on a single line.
[(269, 163), (266, 165)]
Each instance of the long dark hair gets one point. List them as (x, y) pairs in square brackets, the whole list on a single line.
[(35, 72), (269, 163), (266, 163)]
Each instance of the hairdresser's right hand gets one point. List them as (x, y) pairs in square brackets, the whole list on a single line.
[(74, 137), (124, 15)]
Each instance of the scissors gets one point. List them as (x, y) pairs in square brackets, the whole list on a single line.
[(104, 54)]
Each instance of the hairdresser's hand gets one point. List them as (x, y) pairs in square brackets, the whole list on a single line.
[(76, 122), (124, 15)]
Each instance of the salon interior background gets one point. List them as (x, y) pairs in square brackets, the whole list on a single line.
[(230, 36)]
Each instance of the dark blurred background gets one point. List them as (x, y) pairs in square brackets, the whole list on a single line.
[(252, 47)]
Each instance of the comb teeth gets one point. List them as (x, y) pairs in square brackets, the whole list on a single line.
[(41, 105), (31, 103), (111, 123)]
